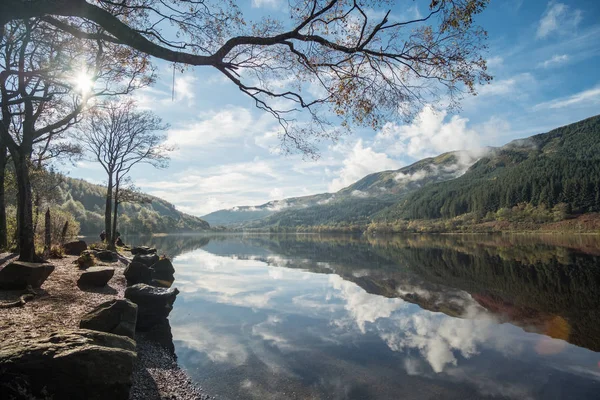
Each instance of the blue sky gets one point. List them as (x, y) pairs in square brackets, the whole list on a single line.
[(544, 56)]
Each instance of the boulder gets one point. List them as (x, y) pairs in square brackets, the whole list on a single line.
[(69, 364), (154, 304), (107, 255), (137, 272), (163, 267), (162, 273), (96, 276), (160, 334), (163, 283), (114, 316), (148, 259), (143, 250), (19, 274), (75, 248)]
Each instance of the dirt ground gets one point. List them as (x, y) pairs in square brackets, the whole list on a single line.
[(60, 303)]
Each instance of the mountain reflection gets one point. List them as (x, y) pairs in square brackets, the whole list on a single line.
[(356, 317), (539, 286)]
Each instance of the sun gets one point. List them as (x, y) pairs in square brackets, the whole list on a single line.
[(83, 82)]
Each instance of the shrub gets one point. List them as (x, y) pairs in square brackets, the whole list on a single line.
[(86, 260), (57, 252), (98, 246)]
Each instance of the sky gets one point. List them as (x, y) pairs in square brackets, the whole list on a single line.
[(544, 57)]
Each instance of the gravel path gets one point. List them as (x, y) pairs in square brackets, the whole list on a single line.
[(60, 305)]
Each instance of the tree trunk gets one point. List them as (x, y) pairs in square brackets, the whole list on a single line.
[(108, 210), (47, 234), (3, 229), (115, 212), (37, 203), (24, 210)]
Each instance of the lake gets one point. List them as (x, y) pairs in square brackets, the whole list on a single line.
[(402, 317)]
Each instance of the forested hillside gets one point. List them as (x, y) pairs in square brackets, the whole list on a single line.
[(351, 205), (546, 178), (561, 167), (86, 202)]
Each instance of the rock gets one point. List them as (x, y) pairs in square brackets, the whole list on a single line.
[(107, 255), (75, 248), (143, 250), (161, 334), (114, 316), (69, 364), (162, 273), (162, 283), (163, 267), (154, 304), (149, 259), (19, 274), (96, 276), (137, 272)]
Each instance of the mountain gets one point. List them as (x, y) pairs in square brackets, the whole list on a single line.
[(86, 202), (547, 177), (558, 167), (365, 197)]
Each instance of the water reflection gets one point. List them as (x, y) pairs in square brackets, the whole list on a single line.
[(384, 318)]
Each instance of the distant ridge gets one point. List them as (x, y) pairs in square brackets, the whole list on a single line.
[(560, 167), (86, 202)]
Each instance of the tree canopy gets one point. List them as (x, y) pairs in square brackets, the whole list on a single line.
[(361, 62)]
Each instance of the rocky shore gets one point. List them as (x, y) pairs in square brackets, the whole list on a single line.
[(85, 334)]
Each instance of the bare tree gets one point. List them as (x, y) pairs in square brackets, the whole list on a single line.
[(365, 64), (120, 137), (43, 72)]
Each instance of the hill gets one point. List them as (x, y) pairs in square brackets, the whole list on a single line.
[(350, 205), (546, 178), (561, 167), (86, 202)]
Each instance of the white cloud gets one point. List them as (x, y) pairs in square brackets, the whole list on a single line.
[(219, 348), (276, 193), (199, 191), (494, 62), (216, 128), (359, 162), (438, 337), (554, 61), (428, 135), (586, 97), (511, 86), (417, 176), (363, 307), (266, 3), (359, 193), (184, 89), (270, 141), (558, 18)]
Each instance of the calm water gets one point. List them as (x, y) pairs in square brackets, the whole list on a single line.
[(322, 317)]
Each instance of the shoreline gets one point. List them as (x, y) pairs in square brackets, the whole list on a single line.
[(60, 303)]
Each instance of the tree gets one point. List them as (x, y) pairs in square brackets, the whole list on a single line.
[(47, 78), (119, 137), (364, 64), (126, 192), (3, 220)]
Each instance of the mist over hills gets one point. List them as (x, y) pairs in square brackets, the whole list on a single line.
[(560, 167), (371, 193)]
